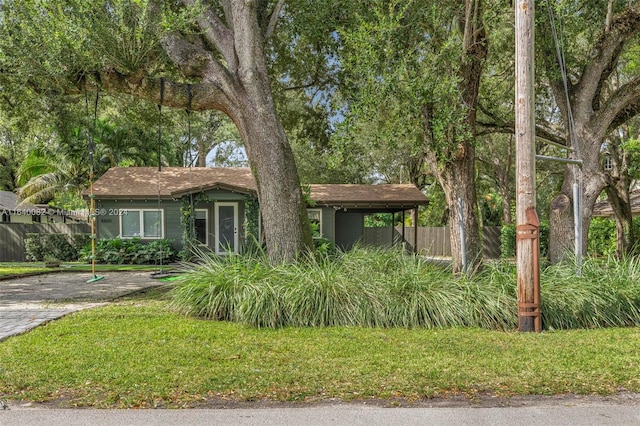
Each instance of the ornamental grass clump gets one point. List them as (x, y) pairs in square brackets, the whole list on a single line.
[(606, 295), (217, 287), (389, 288)]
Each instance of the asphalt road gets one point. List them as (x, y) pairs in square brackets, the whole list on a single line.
[(343, 414)]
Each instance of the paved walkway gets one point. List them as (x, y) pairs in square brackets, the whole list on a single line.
[(28, 302)]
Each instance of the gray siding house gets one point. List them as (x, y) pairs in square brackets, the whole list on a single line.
[(148, 203)]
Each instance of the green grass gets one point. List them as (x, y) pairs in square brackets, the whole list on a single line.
[(371, 324), (22, 268), (26, 268), (140, 354)]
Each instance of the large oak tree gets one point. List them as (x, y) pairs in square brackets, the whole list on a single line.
[(161, 51), (597, 105)]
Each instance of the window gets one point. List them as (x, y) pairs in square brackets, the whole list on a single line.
[(6, 217), (141, 223), (201, 225), (315, 217)]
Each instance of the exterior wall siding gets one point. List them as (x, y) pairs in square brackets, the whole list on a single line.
[(108, 220)]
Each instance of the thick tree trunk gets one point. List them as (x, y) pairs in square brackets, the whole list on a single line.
[(282, 207), (284, 215), (561, 232), (598, 106), (458, 183), (618, 183)]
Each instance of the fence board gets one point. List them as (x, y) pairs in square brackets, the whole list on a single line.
[(13, 235), (432, 241)]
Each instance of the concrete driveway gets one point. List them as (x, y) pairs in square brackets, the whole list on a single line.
[(28, 302)]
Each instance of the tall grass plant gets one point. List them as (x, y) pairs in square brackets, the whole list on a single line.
[(374, 287)]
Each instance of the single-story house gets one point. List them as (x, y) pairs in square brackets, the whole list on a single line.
[(604, 208), (12, 210), (148, 203)]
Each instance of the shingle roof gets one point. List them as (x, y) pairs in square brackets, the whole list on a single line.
[(142, 183), (367, 196), (9, 201)]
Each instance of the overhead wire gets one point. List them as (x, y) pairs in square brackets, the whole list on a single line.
[(574, 145)]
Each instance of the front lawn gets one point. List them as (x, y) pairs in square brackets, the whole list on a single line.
[(25, 268), (140, 354), (21, 268)]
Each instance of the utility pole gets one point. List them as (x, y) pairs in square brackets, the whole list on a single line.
[(527, 224)]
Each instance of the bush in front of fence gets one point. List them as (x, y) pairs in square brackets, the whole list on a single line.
[(117, 251), (62, 247), (508, 240)]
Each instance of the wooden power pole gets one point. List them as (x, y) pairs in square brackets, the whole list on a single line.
[(527, 224)]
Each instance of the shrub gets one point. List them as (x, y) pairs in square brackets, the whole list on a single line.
[(34, 247), (62, 247), (602, 237), (508, 239), (133, 251)]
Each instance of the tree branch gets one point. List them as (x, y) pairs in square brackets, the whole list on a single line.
[(509, 128), (273, 20), (217, 33), (624, 26), (206, 96), (194, 61)]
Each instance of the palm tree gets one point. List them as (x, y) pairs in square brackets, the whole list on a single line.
[(44, 175)]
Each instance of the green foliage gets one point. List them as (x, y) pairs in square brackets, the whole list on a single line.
[(188, 222), (252, 224), (508, 240), (436, 213), (602, 237), (63, 247), (134, 251), (378, 220), (606, 295), (388, 288)]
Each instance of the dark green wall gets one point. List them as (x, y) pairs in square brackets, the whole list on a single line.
[(108, 222)]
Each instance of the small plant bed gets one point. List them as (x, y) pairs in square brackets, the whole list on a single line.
[(130, 252), (138, 353)]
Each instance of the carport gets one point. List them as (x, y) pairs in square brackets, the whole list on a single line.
[(350, 204)]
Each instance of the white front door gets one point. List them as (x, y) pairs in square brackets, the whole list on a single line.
[(226, 228)]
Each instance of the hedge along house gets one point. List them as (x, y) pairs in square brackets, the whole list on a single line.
[(222, 205)]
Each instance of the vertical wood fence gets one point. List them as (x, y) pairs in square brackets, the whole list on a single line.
[(13, 235), (432, 241)]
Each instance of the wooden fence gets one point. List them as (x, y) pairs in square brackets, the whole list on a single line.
[(432, 241), (12, 236)]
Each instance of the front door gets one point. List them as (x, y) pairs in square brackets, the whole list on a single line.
[(226, 228)]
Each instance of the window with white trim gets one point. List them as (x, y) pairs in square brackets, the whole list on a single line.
[(142, 223), (315, 218)]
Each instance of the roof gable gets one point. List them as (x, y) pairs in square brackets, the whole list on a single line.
[(169, 182)]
